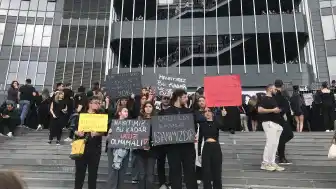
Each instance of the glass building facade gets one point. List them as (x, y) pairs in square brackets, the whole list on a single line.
[(53, 41), (80, 41)]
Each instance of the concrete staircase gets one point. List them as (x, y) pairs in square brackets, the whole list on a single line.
[(47, 166)]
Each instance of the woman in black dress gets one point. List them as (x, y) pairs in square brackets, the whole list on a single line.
[(58, 110), (297, 105)]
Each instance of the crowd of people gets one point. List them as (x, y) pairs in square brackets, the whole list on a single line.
[(200, 162)]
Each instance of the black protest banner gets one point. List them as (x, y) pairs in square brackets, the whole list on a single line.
[(166, 84), (173, 129), (129, 134), (123, 84)]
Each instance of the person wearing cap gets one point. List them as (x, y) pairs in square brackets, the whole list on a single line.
[(9, 119), (287, 133)]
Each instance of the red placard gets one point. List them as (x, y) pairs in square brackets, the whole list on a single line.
[(223, 90)]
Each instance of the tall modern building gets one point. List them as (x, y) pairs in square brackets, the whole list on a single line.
[(80, 41)]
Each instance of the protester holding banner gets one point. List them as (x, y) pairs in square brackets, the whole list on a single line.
[(117, 158), (146, 157), (58, 110), (93, 143), (181, 155), (211, 153)]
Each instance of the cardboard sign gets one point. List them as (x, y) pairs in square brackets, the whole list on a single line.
[(93, 122), (167, 84), (308, 98), (223, 91), (173, 129), (123, 84), (130, 134)]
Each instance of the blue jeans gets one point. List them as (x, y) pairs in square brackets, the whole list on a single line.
[(24, 108)]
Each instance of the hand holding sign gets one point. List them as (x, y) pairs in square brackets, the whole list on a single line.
[(92, 122)]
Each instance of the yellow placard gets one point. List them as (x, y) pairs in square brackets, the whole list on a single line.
[(78, 147), (93, 122)]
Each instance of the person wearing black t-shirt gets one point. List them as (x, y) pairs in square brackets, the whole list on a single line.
[(271, 120), (26, 94), (58, 110), (92, 152)]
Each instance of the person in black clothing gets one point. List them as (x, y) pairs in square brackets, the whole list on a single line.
[(43, 110), (26, 93), (297, 104), (181, 155), (9, 119), (13, 91), (287, 133), (146, 157), (58, 110), (68, 97), (92, 152), (161, 151), (212, 153), (327, 99)]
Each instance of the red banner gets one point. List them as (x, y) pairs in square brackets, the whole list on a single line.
[(223, 90)]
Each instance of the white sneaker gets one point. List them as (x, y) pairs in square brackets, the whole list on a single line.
[(199, 182), (39, 127), (278, 168), (267, 167), (327, 131), (68, 140), (10, 134), (163, 187), (1, 134)]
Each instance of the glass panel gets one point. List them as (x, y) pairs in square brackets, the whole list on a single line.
[(24, 5), (11, 77), (23, 13), (41, 14), (29, 35), (1, 37), (22, 71), (18, 41), (38, 35), (51, 6), (47, 31), (2, 28), (4, 4), (33, 4), (32, 70), (13, 12), (20, 29), (15, 4), (13, 66), (46, 41), (328, 27), (42, 5), (50, 14), (32, 13), (3, 12), (324, 4), (42, 67), (39, 79)]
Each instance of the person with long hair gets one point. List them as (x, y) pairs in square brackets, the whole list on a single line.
[(43, 110), (327, 106), (146, 157), (117, 169), (92, 152), (297, 105), (10, 180), (58, 109), (252, 112), (13, 91), (211, 153)]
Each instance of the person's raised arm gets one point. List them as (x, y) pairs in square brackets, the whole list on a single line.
[(52, 110)]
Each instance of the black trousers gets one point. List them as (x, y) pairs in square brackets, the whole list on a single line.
[(8, 125), (286, 135), (56, 127), (212, 165), (182, 156), (146, 166), (328, 118), (89, 161), (161, 163)]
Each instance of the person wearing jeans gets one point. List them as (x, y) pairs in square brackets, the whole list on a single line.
[(24, 108), (26, 93), (270, 118)]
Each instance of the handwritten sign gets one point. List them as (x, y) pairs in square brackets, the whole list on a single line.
[(173, 129), (167, 84), (123, 84), (93, 122), (129, 134), (223, 90), (308, 98)]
